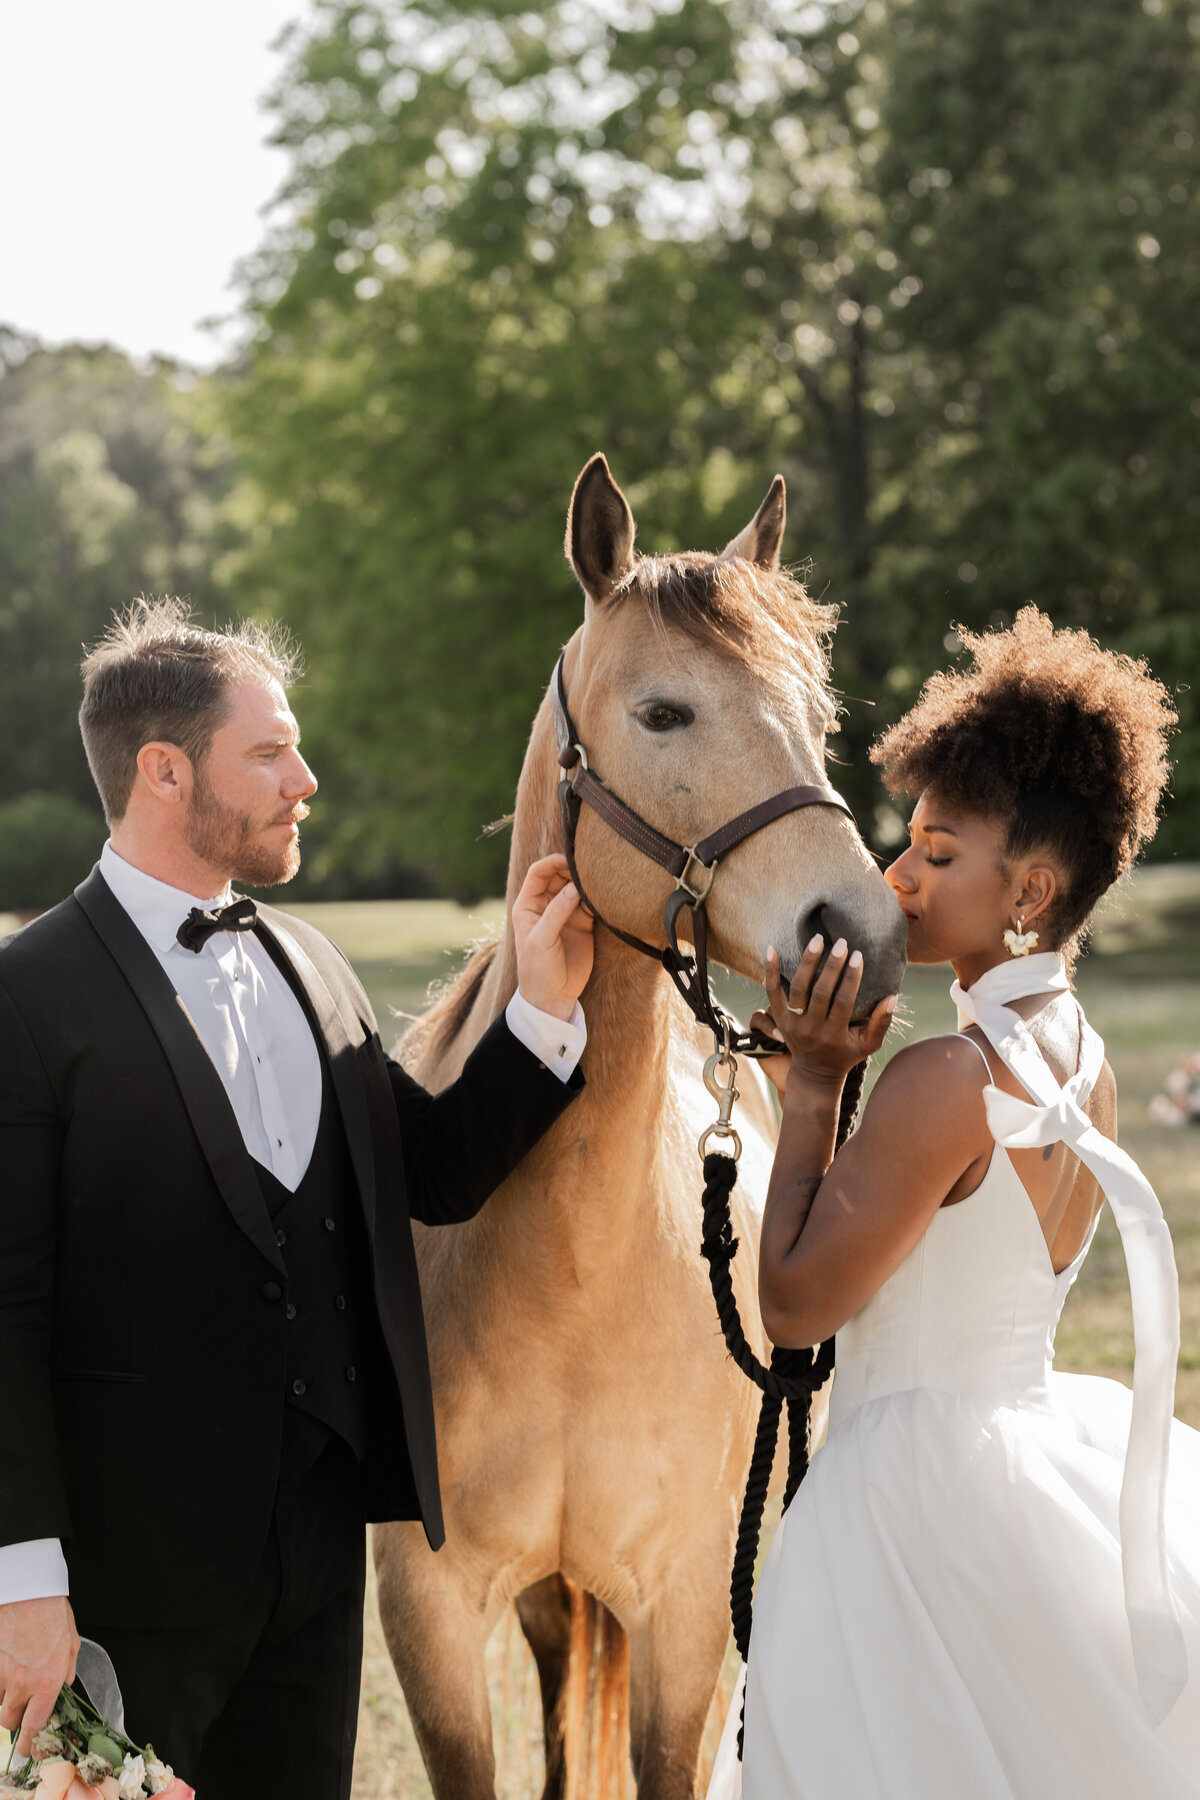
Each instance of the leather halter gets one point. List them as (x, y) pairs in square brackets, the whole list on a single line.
[(694, 867)]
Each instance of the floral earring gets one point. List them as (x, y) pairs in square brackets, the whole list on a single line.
[(1020, 941)]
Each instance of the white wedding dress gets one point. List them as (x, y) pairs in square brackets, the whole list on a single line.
[(964, 1602)]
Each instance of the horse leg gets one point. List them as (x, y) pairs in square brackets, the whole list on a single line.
[(544, 1611), (436, 1638), (676, 1651)]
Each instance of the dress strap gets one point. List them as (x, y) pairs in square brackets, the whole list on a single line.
[(1057, 1116)]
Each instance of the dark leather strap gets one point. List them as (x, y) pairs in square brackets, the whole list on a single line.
[(718, 843), (692, 866), (627, 824)]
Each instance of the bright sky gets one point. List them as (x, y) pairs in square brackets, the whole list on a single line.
[(133, 165)]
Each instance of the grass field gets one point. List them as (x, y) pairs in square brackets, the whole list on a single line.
[(1141, 989)]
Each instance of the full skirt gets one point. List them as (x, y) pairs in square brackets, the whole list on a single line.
[(941, 1613)]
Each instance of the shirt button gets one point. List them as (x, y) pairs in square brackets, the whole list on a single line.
[(299, 1386), (330, 1225), (271, 1290), (281, 1238), (279, 1143), (340, 1302), (290, 1310), (351, 1373)]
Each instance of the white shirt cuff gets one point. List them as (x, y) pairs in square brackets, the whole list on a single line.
[(36, 1570), (557, 1043)]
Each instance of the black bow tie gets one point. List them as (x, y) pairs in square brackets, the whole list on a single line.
[(199, 926)]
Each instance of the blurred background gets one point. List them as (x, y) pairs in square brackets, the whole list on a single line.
[(313, 309), (938, 261)]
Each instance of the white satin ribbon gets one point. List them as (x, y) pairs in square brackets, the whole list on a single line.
[(1159, 1652)]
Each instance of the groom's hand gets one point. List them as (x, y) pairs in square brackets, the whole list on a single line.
[(38, 1647), (553, 929)]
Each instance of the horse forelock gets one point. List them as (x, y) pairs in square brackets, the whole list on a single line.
[(763, 617)]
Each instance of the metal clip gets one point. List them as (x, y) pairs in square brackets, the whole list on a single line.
[(697, 894), (724, 1093)]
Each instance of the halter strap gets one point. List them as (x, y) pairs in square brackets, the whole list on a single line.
[(1056, 1115), (694, 866)]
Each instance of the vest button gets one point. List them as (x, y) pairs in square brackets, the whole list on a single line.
[(281, 1238), (271, 1290), (290, 1310), (340, 1302), (351, 1372), (299, 1386), (330, 1225)]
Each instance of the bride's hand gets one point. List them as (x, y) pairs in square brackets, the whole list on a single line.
[(814, 1018)]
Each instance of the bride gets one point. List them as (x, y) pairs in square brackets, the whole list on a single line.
[(989, 1584)]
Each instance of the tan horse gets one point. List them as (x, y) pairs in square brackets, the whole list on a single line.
[(593, 1434)]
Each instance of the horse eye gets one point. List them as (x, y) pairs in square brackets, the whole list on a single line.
[(659, 716)]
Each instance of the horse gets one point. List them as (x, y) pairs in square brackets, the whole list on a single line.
[(593, 1434)]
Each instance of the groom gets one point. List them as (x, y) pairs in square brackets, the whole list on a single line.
[(212, 1359)]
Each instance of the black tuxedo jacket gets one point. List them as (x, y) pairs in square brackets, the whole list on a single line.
[(141, 1368)]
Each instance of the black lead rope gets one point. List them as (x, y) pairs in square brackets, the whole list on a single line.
[(792, 1378)]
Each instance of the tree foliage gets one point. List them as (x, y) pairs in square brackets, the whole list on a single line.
[(936, 261), (109, 487)]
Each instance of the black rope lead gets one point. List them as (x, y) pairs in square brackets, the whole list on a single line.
[(792, 1378)]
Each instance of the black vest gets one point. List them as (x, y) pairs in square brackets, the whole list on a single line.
[(322, 1236)]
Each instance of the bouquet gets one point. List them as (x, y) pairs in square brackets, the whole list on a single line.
[(77, 1755), (1180, 1104)]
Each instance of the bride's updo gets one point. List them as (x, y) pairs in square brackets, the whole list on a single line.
[(1062, 743)]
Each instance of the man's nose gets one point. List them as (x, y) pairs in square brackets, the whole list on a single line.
[(300, 781)]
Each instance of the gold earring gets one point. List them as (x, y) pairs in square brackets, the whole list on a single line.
[(1020, 941)]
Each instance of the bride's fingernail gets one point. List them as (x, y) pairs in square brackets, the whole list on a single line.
[(777, 1034), (839, 949), (814, 944), (856, 959)]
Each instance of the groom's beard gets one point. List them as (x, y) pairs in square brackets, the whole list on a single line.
[(226, 839)]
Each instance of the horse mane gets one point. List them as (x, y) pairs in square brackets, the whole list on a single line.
[(761, 616), (433, 1032)]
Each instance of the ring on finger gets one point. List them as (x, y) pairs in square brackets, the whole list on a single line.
[(798, 1010)]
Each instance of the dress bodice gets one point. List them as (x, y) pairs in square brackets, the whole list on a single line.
[(972, 1309)]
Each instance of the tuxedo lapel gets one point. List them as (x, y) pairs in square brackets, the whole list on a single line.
[(343, 1061), (200, 1086)]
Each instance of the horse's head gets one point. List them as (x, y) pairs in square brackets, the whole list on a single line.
[(698, 685)]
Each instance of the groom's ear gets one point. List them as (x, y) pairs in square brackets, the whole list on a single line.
[(600, 532)]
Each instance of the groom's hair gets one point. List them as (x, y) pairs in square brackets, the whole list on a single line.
[(154, 675)]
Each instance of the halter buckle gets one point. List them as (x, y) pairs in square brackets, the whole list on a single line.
[(696, 894)]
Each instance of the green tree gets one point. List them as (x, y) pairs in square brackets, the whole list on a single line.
[(1043, 164), (111, 484), (516, 238), (713, 240)]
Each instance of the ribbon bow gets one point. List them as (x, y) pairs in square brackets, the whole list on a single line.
[(1159, 1653), (200, 925)]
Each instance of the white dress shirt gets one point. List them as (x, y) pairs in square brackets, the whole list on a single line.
[(256, 1032)]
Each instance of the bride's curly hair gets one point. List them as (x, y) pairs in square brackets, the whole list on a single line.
[(1062, 742)]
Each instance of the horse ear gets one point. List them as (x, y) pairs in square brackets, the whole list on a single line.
[(599, 531), (760, 541)]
